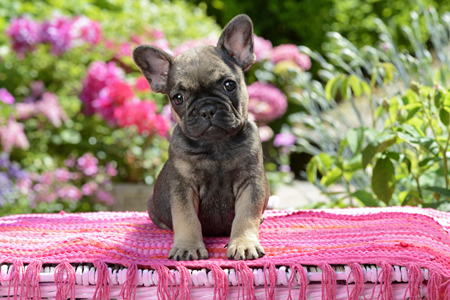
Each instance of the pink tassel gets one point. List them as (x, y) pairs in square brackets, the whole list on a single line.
[(434, 285), (385, 282), (220, 281), (129, 286), (328, 282), (65, 287), (358, 276), (269, 267), (447, 290), (414, 281), (166, 280), (30, 282), (184, 291), (103, 281), (14, 278), (244, 276), (303, 280)]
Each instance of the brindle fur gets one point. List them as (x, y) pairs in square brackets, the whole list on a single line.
[(213, 183)]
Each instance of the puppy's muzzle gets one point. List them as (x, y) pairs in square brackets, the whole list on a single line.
[(208, 111)]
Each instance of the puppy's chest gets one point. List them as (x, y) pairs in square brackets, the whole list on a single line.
[(216, 191)]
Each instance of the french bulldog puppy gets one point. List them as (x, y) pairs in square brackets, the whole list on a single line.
[(213, 183)]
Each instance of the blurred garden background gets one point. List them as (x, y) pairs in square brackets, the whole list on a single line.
[(349, 95)]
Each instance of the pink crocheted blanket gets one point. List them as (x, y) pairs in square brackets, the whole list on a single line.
[(406, 236)]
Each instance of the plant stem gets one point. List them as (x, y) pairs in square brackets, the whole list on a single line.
[(418, 186), (444, 154)]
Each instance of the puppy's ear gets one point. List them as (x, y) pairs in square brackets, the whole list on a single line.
[(154, 63), (237, 40)]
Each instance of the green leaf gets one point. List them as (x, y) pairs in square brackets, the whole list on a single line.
[(325, 160), (412, 109), (331, 87), (439, 98), (355, 84), (366, 88), (380, 144), (438, 190), (434, 204), (355, 138), (389, 70), (365, 198), (344, 89), (383, 179), (311, 170), (444, 116), (331, 177)]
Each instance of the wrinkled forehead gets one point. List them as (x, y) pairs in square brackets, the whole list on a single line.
[(201, 66)]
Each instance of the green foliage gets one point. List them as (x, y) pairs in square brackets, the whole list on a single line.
[(398, 153), (306, 22)]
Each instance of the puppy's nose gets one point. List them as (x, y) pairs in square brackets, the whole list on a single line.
[(207, 111)]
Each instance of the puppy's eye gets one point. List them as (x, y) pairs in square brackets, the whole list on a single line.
[(229, 85), (177, 99)]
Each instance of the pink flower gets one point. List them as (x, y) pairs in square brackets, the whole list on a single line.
[(85, 30), (265, 133), (89, 188), (192, 44), (24, 185), (112, 97), (262, 48), (284, 139), (99, 75), (62, 175), (6, 97), (143, 115), (104, 196), (58, 33), (24, 34), (12, 135), (158, 34), (48, 106), (70, 192), (110, 170), (162, 44), (290, 52), (167, 113), (70, 162), (125, 50), (88, 164), (142, 84), (266, 102)]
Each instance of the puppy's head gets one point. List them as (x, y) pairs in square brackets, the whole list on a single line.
[(205, 85)]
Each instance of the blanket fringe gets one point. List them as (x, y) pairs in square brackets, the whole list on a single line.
[(65, 287), (386, 282), (184, 289), (14, 278), (30, 283), (220, 281), (302, 280), (244, 277), (269, 283), (128, 290), (166, 281), (415, 279), (103, 281), (434, 285), (357, 275), (328, 282)]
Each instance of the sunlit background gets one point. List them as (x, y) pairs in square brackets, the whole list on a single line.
[(349, 95)]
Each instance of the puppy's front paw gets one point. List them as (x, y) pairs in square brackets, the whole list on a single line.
[(245, 247), (188, 251)]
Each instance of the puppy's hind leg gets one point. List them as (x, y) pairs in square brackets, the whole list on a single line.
[(153, 216)]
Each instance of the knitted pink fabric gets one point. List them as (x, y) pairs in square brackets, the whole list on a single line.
[(406, 236)]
